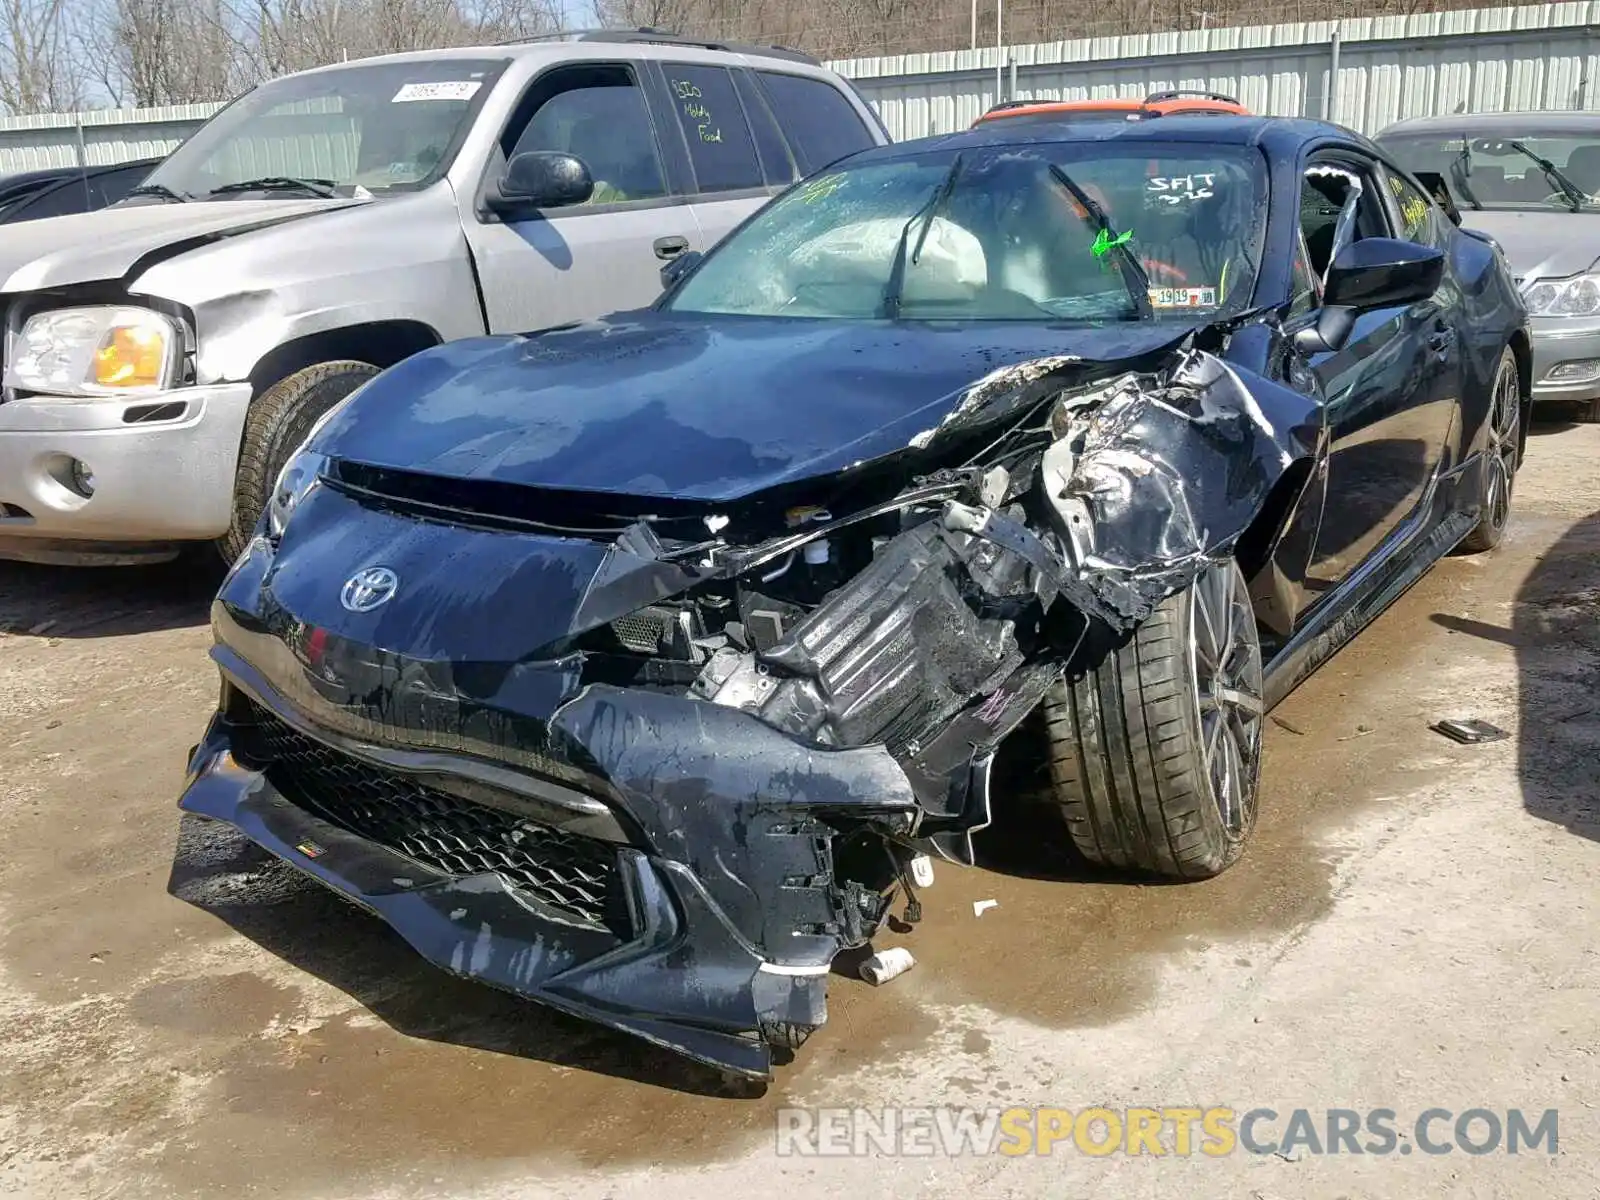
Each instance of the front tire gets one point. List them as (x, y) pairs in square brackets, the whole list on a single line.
[(1502, 454), (278, 421), (1155, 754)]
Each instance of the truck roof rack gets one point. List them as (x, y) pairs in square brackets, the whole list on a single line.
[(648, 36)]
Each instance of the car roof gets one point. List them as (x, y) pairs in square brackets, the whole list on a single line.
[(1500, 122), (1281, 136), (41, 177), (595, 43)]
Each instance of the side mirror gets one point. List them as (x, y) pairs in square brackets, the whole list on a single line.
[(542, 179), (1371, 273), (679, 267)]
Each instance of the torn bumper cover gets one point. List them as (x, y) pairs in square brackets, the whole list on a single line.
[(662, 783), (695, 909)]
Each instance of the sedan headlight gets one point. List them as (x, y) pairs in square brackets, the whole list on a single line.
[(1577, 296), (300, 473), (295, 481), (106, 350)]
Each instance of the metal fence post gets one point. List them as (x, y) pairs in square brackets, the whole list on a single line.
[(1330, 95)]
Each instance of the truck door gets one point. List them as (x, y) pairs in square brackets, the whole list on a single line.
[(583, 261)]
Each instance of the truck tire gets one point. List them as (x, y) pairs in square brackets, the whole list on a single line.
[(1155, 753), (1502, 449), (278, 421)]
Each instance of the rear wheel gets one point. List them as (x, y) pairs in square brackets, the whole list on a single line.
[(278, 421), (1502, 452), (1155, 754)]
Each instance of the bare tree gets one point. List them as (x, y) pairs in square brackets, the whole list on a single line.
[(37, 68)]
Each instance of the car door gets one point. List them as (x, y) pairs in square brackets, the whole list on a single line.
[(1383, 387), (737, 159), (583, 261)]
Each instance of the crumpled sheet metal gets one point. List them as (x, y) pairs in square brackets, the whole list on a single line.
[(1162, 476)]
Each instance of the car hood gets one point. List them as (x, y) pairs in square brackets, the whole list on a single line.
[(708, 408), (108, 244), (1541, 245)]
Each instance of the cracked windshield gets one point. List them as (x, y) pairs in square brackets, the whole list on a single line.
[(1042, 233)]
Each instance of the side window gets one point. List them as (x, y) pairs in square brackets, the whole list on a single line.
[(712, 119), (1418, 220), (821, 125), (596, 114), (776, 163), (1339, 204), (57, 200)]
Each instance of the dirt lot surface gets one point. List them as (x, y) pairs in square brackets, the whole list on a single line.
[(1414, 926)]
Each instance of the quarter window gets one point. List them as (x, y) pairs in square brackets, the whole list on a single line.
[(1416, 211), (712, 120), (821, 125)]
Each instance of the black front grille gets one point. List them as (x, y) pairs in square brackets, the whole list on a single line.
[(568, 872)]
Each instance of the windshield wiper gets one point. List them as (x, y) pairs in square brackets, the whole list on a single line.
[(1574, 194), (1134, 276), (926, 214), (1460, 168), (278, 183), (157, 189)]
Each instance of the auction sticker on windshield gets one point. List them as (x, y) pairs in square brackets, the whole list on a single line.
[(446, 89)]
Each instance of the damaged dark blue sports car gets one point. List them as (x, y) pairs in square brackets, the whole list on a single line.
[(632, 666)]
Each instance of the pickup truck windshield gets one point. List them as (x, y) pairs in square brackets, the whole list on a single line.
[(1045, 232), (347, 131)]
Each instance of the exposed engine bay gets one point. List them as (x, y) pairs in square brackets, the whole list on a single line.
[(932, 623)]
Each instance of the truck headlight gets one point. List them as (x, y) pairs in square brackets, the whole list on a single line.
[(1575, 296), (105, 350)]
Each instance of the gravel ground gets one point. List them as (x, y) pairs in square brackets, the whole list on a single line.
[(1414, 927)]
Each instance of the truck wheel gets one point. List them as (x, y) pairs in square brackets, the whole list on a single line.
[(1155, 753), (278, 421), (1502, 447)]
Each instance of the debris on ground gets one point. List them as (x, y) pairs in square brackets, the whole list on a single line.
[(1470, 732), (886, 965), (979, 907)]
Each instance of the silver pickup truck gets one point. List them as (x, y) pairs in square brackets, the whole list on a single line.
[(164, 356)]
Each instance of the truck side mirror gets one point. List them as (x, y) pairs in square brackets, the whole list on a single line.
[(541, 179)]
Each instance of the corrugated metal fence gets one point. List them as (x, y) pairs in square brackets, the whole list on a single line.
[(1363, 72)]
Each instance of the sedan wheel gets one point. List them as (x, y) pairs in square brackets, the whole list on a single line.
[(1502, 453), (1155, 754), (1226, 665)]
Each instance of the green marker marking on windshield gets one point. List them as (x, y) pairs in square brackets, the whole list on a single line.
[(1104, 243)]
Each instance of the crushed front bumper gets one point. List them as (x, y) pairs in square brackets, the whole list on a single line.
[(711, 923), (162, 465)]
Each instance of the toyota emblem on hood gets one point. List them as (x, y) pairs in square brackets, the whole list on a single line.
[(367, 589)]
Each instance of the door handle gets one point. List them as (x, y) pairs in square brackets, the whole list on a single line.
[(668, 248)]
